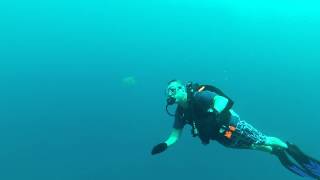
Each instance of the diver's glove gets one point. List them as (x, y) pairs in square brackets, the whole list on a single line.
[(159, 148)]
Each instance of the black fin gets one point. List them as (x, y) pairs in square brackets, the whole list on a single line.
[(310, 164), (287, 163)]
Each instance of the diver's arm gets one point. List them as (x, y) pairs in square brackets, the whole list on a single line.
[(219, 103), (173, 138)]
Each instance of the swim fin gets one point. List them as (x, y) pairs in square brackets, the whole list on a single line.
[(287, 163), (310, 164)]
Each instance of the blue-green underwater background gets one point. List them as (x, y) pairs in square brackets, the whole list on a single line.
[(66, 111)]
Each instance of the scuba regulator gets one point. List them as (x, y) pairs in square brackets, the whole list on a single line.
[(170, 101)]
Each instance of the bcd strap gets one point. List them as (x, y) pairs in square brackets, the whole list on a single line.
[(219, 92)]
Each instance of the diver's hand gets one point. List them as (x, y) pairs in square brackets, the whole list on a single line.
[(159, 148)]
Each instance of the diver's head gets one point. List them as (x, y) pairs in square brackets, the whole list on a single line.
[(176, 93)]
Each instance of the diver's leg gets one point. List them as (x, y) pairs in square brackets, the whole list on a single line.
[(263, 148), (269, 144), (275, 142)]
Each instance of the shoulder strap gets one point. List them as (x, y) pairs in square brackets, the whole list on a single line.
[(219, 92)]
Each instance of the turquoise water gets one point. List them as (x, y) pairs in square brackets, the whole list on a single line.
[(66, 112)]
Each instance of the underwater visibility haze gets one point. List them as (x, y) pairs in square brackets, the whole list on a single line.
[(83, 85)]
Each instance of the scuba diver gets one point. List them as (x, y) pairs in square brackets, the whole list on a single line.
[(209, 112)]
